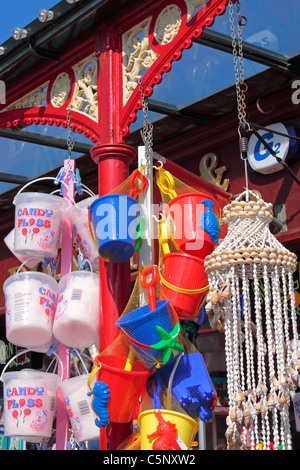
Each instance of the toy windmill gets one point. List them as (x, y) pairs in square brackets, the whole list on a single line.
[(251, 299)]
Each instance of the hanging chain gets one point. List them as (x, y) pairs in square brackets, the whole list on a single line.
[(147, 132), (71, 135), (237, 48), (240, 85)]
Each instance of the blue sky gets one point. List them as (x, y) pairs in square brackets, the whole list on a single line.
[(20, 13)]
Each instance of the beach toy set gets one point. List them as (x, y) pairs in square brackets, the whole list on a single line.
[(188, 231), (150, 370)]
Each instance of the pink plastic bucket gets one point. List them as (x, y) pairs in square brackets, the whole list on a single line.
[(30, 398), (76, 321), (30, 299)]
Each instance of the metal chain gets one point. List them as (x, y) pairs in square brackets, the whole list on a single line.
[(237, 49), (147, 132), (71, 134)]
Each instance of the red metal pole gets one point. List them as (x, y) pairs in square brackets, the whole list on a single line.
[(113, 157), (113, 161)]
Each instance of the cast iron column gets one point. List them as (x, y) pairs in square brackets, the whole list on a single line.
[(113, 157)]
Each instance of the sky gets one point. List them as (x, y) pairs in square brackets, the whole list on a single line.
[(20, 13)]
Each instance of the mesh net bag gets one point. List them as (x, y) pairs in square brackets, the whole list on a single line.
[(187, 231), (125, 379), (183, 385), (149, 324)]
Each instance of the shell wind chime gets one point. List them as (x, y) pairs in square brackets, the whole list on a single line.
[(251, 300)]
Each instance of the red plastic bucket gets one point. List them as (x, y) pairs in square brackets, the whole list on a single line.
[(186, 211), (125, 386), (184, 283)]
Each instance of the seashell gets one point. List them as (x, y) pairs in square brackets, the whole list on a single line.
[(239, 415), (239, 397), (253, 412), (274, 381), (233, 414), (264, 408), (282, 399), (215, 297), (229, 431), (261, 389), (251, 395), (282, 380), (257, 407), (271, 401), (246, 414)]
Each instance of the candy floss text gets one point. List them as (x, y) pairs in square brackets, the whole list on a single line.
[(34, 212), (47, 298), (15, 397)]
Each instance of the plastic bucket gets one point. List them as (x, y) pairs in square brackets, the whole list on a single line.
[(38, 224), (187, 211), (186, 428), (191, 385), (76, 320), (78, 214), (79, 407), (114, 223), (10, 243), (139, 326), (30, 299), (30, 398), (184, 283), (126, 387)]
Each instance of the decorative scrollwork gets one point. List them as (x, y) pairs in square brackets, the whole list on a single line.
[(60, 90), (137, 55), (85, 98), (36, 97), (167, 24)]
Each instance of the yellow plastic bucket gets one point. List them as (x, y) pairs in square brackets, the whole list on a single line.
[(148, 422)]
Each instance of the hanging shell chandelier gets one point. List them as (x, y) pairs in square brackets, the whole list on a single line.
[(251, 299)]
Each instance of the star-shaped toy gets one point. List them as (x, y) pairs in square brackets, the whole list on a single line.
[(168, 342)]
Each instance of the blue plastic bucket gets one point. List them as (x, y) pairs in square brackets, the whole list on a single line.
[(140, 329), (114, 223), (191, 385)]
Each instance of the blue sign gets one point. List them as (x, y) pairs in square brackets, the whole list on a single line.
[(260, 158)]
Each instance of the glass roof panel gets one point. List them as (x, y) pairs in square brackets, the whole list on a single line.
[(33, 160), (201, 72)]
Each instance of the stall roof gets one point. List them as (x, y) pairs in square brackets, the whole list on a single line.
[(204, 76)]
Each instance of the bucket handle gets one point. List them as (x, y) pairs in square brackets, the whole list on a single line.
[(42, 179), (26, 261), (24, 351), (136, 177), (163, 241), (82, 361), (179, 289), (166, 184)]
